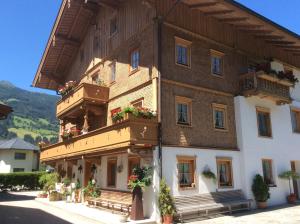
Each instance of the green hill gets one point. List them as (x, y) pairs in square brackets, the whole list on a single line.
[(34, 114)]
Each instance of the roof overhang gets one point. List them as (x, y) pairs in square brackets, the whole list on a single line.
[(245, 19), (68, 32), (4, 111)]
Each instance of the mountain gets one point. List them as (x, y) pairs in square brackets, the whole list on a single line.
[(33, 117)]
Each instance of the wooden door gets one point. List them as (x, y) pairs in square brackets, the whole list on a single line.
[(87, 173), (295, 183)]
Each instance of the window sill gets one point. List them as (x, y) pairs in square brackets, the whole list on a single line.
[(134, 71), (187, 188), (225, 187), (265, 137), (183, 65), (221, 130), (184, 125), (272, 185), (218, 75)]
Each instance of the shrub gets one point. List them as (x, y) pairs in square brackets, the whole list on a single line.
[(48, 180), (29, 180), (260, 189), (165, 200)]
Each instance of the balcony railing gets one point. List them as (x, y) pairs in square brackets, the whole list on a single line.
[(131, 132), (266, 86), (85, 92)]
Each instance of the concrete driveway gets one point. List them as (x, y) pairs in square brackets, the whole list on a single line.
[(23, 209), (276, 215)]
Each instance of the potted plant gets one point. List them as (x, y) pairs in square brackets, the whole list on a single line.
[(166, 203), (140, 179), (77, 191), (54, 196), (207, 173), (261, 191), (91, 191), (290, 175), (48, 181)]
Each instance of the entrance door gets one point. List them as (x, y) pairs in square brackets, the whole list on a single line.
[(87, 173), (295, 183)]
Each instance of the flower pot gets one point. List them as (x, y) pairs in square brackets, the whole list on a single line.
[(168, 219), (137, 212), (261, 204), (292, 198)]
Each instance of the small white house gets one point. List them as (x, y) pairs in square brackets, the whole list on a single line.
[(16, 155)]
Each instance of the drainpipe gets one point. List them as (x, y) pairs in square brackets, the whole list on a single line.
[(160, 20)]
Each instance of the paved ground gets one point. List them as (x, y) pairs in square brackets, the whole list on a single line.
[(23, 209), (276, 215)]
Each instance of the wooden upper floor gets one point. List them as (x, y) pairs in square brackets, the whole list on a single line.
[(4, 111)]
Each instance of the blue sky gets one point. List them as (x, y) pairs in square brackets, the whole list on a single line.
[(26, 25)]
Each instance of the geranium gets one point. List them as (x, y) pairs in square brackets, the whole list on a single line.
[(141, 178)]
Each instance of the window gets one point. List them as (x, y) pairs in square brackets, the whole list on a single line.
[(224, 167), (95, 78), (112, 72), (134, 60), (15, 170), (138, 103), (183, 110), (111, 172), (186, 171), (133, 162), (216, 62), (182, 52), (268, 171), (113, 26), (220, 116), (264, 122), (295, 115), (20, 156)]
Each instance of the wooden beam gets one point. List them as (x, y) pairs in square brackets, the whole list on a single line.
[(211, 13), (66, 40), (250, 27), (257, 31), (270, 37), (233, 20), (280, 42), (202, 5)]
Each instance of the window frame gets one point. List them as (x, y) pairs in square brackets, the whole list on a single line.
[(131, 69), (19, 170), (296, 126), (138, 101), (220, 55), (188, 45), (112, 65), (220, 160), (272, 171), (19, 153), (115, 160), (113, 18), (193, 161), (223, 108), (188, 102), (265, 111)]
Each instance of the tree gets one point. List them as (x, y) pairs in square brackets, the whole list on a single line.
[(11, 135), (37, 140), (45, 140), (28, 138), (53, 140)]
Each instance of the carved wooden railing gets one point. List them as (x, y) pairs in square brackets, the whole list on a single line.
[(267, 86), (84, 92)]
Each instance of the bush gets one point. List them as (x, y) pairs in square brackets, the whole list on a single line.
[(29, 180), (48, 181), (260, 189)]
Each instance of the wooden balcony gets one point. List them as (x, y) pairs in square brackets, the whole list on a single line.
[(132, 132), (266, 86), (84, 93)]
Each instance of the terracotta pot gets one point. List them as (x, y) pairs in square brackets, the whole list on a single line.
[(292, 198), (168, 219), (261, 204)]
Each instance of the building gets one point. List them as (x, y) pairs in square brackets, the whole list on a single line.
[(198, 65), (4, 111), (17, 155)]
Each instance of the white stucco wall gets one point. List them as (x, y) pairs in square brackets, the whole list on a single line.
[(282, 148), (8, 162), (204, 158)]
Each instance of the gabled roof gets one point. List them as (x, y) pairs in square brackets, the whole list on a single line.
[(17, 143), (4, 111)]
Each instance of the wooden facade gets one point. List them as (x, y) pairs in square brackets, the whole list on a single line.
[(90, 39), (4, 111)]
